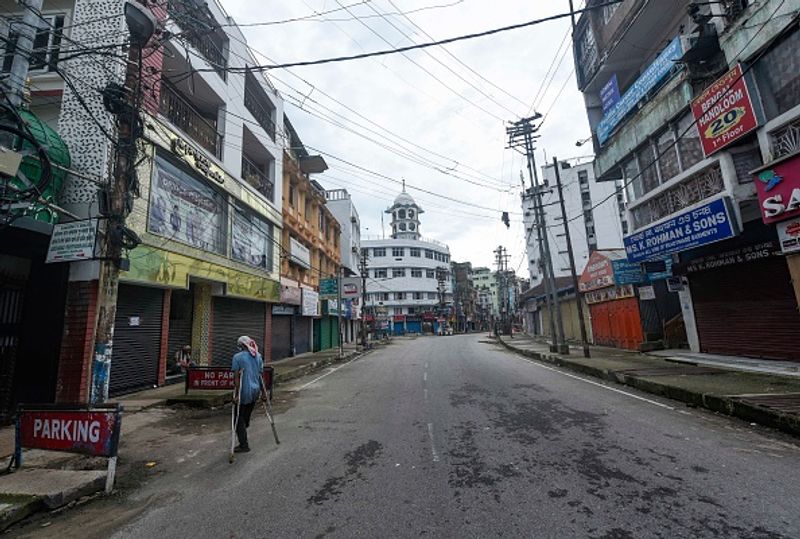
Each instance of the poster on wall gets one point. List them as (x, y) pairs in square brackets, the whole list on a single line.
[(186, 210), (251, 241), (789, 236)]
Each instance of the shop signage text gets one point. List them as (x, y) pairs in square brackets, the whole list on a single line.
[(310, 304), (609, 94), (724, 111), (72, 241), (706, 224), (647, 293), (329, 288), (197, 160), (291, 295), (648, 80), (778, 190), (599, 273), (789, 236), (88, 431), (219, 378), (749, 253), (351, 287), (610, 293)]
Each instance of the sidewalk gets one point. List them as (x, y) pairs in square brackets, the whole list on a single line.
[(50, 479), (769, 398)]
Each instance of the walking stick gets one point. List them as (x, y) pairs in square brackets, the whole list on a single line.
[(234, 421), (268, 410)]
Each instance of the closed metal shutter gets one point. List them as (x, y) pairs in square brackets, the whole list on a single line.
[(302, 334), (747, 310), (232, 319), (281, 336), (180, 323), (137, 339)]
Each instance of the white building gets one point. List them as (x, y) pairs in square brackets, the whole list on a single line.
[(403, 282), (600, 227), (341, 206)]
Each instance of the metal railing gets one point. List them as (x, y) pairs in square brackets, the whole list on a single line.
[(189, 120), (262, 115), (255, 176), (196, 33)]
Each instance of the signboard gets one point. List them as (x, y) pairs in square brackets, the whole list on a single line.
[(351, 287), (676, 284), (310, 303), (647, 293), (299, 253), (291, 295), (789, 236), (748, 253), (329, 288), (283, 310), (89, 431), (778, 188), (220, 379), (724, 111), (705, 224), (610, 293), (251, 240), (197, 160), (72, 241), (609, 94), (599, 273), (652, 76)]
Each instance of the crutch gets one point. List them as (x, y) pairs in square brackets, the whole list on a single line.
[(234, 421), (268, 409)]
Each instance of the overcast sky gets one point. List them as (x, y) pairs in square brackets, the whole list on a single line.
[(454, 127)]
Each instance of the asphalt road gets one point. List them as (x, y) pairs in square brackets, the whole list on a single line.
[(452, 437)]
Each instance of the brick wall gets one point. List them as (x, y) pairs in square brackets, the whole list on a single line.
[(77, 346), (163, 349)]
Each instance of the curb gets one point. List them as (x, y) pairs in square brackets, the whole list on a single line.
[(728, 405), (14, 508)]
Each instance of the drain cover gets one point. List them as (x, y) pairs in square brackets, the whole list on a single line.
[(785, 402)]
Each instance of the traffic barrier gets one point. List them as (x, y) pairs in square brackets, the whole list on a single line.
[(221, 379)]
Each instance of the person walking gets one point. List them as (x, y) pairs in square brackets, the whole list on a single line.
[(247, 366)]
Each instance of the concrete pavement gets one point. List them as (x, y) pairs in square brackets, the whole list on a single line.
[(452, 437)]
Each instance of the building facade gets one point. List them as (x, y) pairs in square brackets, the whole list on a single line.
[(700, 131), (341, 206), (409, 288)]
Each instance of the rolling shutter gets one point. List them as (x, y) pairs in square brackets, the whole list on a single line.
[(747, 310), (302, 334), (137, 339), (281, 336), (232, 319)]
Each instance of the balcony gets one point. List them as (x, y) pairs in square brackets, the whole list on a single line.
[(257, 102), (202, 32), (190, 120), (258, 176)]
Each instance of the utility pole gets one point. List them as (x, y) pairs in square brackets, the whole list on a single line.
[(363, 268), (578, 297), (26, 33), (521, 134), (125, 102), (339, 275)]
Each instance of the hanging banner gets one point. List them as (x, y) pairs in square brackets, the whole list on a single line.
[(724, 111)]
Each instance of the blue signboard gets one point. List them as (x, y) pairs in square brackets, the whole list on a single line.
[(609, 94), (627, 272), (709, 223), (648, 80)]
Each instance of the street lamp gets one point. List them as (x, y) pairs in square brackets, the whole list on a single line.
[(582, 142)]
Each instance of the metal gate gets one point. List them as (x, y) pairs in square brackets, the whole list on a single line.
[(137, 339), (302, 334), (747, 310), (180, 324), (11, 302), (232, 319), (281, 336)]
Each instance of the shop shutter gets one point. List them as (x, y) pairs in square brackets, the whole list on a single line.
[(747, 310), (137, 339), (232, 319), (302, 334), (281, 336)]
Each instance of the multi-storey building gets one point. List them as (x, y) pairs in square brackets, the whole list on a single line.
[(465, 296), (341, 206), (598, 227), (310, 244), (408, 274), (695, 107), (203, 203)]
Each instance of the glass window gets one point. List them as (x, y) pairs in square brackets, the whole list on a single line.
[(398, 272), (428, 253), (415, 252), (689, 143), (46, 43), (379, 251), (402, 227), (630, 172), (430, 274), (410, 214), (778, 80), (381, 273), (668, 155), (412, 226), (431, 295), (185, 209), (417, 295), (648, 170), (416, 273), (385, 296), (399, 295), (401, 214), (292, 194), (398, 251), (251, 240)]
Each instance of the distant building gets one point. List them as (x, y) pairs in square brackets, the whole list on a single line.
[(408, 285), (341, 206)]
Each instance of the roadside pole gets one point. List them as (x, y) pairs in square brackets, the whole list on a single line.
[(362, 267), (578, 297), (339, 309)]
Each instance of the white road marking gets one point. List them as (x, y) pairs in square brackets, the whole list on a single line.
[(615, 390), (425, 391), (434, 454), (315, 380), (425, 377), (426, 364)]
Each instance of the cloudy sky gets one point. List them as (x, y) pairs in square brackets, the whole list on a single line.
[(435, 118)]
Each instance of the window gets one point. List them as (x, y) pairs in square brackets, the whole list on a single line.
[(399, 295), (410, 214), (428, 253), (398, 272), (308, 210), (583, 177), (415, 252), (416, 273), (292, 195), (689, 144), (417, 295), (430, 274), (402, 226), (412, 310), (648, 171), (384, 296), (46, 43), (401, 214), (667, 155), (379, 251), (431, 295), (412, 226), (381, 273), (398, 251)]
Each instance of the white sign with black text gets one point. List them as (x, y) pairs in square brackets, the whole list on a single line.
[(72, 241)]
